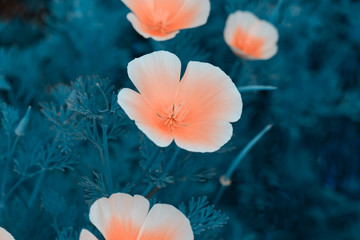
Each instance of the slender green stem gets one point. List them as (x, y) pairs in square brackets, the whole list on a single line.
[(172, 161), (96, 134), (4, 179), (234, 69), (14, 187), (238, 160), (274, 17), (36, 188), (168, 168), (256, 88), (7, 166), (106, 159), (148, 189), (243, 153), (147, 167), (219, 195)]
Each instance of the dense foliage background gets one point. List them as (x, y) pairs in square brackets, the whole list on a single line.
[(67, 60)]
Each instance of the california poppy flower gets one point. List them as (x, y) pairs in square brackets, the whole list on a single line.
[(125, 217), (4, 235), (162, 19), (195, 112), (249, 37)]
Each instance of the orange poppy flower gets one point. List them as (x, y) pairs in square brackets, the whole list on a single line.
[(249, 37), (194, 112), (162, 19), (125, 217), (4, 235)]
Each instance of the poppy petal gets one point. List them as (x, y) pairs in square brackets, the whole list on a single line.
[(265, 30), (86, 235), (4, 235), (204, 137), (208, 94), (269, 53), (190, 14), (142, 8), (250, 37), (120, 216), (156, 76), (144, 31), (165, 222), (136, 107), (239, 19)]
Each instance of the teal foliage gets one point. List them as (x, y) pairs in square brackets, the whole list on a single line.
[(67, 60)]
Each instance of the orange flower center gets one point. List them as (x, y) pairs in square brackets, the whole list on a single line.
[(247, 43), (119, 230), (176, 114), (159, 21)]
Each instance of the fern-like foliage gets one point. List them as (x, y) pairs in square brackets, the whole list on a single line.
[(203, 216)]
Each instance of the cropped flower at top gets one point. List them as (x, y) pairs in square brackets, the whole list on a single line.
[(125, 217), (162, 19), (249, 37), (195, 112), (4, 235)]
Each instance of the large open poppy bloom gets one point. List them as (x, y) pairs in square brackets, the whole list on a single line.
[(125, 217), (4, 235), (162, 19), (195, 112), (249, 37)]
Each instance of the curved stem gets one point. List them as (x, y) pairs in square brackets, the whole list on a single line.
[(234, 69), (219, 195), (147, 167), (148, 189), (168, 168), (7, 166), (243, 153), (276, 12), (106, 160), (171, 162), (14, 187), (238, 159), (36, 188), (252, 88)]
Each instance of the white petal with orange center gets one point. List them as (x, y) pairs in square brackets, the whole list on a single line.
[(165, 222), (120, 216), (141, 8), (208, 94), (162, 19), (265, 30), (250, 37), (86, 235), (4, 235), (156, 76), (239, 19), (204, 137), (190, 14), (144, 30), (145, 117)]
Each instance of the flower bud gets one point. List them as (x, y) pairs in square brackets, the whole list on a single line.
[(21, 128)]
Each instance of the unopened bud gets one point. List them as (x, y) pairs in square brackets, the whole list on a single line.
[(21, 128), (101, 101)]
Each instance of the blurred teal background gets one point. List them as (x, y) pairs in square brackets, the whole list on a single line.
[(301, 181)]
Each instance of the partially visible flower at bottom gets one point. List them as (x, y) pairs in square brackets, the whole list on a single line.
[(122, 216), (4, 235)]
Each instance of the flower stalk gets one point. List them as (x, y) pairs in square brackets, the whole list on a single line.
[(225, 180), (106, 159)]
